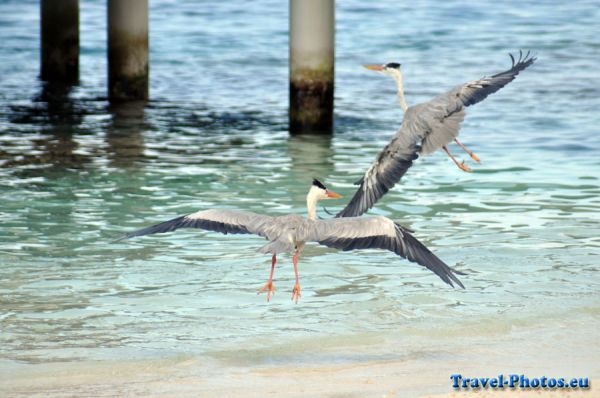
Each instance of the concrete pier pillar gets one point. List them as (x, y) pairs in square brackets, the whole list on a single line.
[(127, 50), (59, 41), (312, 56)]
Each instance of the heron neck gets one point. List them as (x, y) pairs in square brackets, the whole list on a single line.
[(311, 205), (400, 87)]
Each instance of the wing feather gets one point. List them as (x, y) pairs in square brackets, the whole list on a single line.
[(442, 131), (223, 221), (389, 167), (476, 91), (379, 233), (444, 113)]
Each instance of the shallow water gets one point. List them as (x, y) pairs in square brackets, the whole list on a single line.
[(76, 173)]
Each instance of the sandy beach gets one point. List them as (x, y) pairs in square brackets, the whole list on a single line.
[(426, 374), (181, 378)]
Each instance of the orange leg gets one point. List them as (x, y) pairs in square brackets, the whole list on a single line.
[(269, 285), (296, 291), (462, 165), (471, 154)]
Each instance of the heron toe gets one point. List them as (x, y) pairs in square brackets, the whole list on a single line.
[(464, 167), (296, 293), (269, 288)]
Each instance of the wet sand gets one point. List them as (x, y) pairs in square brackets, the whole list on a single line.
[(426, 374), (189, 377)]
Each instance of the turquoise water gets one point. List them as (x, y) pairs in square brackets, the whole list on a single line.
[(77, 173)]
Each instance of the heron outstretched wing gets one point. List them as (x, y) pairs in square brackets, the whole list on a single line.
[(378, 233), (444, 113), (217, 220), (477, 90)]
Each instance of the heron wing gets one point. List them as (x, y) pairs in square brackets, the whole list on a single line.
[(378, 233), (477, 90), (444, 113), (389, 167), (224, 221)]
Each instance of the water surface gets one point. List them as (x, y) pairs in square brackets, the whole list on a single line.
[(75, 173)]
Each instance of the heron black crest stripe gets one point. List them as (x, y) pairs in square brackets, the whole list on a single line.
[(318, 183), (394, 65)]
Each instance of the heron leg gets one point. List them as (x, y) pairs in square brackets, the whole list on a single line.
[(471, 154), (269, 285), (296, 291), (462, 165)]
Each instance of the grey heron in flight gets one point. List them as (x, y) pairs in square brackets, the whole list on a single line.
[(426, 127), (290, 233)]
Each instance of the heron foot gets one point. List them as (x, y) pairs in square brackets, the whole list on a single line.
[(471, 154), (461, 165), (296, 292), (269, 288), (464, 167)]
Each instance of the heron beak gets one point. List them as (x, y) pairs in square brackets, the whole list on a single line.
[(377, 68), (333, 195)]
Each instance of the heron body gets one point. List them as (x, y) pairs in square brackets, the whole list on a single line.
[(290, 233), (426, 127)]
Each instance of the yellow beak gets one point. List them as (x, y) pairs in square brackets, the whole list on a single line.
[(333, 195), (377, 68)]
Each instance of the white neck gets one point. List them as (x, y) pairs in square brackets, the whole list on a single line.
[(400, 86), (311, 203)]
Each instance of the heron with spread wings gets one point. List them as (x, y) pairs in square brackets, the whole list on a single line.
[(426, 127), (290, 233)]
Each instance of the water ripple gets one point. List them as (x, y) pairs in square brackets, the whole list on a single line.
[(76, 173)]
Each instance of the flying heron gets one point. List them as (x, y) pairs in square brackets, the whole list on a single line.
[(289, 234), (426, 127)]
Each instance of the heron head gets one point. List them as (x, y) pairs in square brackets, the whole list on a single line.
[(321, 192), (389, 69)]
